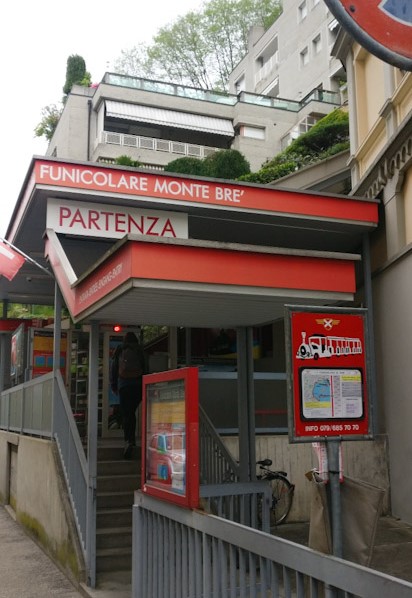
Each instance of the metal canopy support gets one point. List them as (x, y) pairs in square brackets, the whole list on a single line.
[(246, 404), (56, 344), (92, 452)]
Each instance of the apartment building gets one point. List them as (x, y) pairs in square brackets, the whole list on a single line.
[(156, 122), (292, 58)]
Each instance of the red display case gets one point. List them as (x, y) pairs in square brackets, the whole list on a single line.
[(170, 437)]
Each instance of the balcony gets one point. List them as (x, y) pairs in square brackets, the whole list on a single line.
[(157, 145), (267, 68)]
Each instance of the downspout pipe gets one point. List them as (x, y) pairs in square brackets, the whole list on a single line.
[(89, 120), (367, 273)]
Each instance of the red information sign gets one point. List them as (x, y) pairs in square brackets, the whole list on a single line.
[(384, 27), (328, 372), (170, 463)]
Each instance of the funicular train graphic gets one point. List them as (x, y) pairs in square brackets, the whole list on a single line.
[(318, 346)]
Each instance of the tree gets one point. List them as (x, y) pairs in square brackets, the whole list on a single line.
[(201, 48), (76, 73), (47, 125)]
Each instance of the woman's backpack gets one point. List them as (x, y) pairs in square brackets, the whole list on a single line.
[(130, 363)]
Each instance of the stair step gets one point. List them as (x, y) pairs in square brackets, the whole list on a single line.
[(114, 559), (118, 467), (107, 500), (113, 452), (118, 482), (114, 517), (116, 537)]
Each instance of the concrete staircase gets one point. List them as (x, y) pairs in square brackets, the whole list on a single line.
[(117, 479)]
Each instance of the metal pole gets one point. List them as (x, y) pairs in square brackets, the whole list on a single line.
[(251, 404), (246, 403), (188, 345), (367, 274), (92, 426), (242, 404), (333, 446), (56, 345)]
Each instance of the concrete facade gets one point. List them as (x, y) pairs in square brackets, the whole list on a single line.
[(31, 482), (298, 42)]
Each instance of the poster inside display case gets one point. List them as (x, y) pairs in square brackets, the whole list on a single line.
[(170, 464)]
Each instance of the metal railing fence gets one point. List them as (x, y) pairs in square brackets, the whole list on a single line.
[(217, 466), (247, 503), (28, 409), (181, 553), (159, 145)]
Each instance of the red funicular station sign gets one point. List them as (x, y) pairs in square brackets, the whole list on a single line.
[(328, 374)]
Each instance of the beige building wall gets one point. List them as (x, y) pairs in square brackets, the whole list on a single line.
[(407, 200), (380, 104)]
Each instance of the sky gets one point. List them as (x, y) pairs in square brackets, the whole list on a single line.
[(36, 38)]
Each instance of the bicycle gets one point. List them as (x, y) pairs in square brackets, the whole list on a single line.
[(282, 492)]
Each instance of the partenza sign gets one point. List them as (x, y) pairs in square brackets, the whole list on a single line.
[(383, 27), (114, 222)]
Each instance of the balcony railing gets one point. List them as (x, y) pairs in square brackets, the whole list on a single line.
[(159, 145), (267, 68), (221, 97), (173, 89)]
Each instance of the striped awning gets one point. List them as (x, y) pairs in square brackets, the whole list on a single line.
[(171, 118)]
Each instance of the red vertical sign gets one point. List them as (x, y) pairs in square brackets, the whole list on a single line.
[(329, 374)]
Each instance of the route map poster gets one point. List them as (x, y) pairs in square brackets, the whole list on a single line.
[(170, 467), (327, 373)]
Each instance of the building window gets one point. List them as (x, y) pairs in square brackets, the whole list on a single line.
[(304, 57), (240, 84), (252, 132), (317, 44), (303, 11)]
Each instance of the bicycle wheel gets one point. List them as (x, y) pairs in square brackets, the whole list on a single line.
[(282, 496)]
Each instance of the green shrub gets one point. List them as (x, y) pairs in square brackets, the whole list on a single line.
[(127, 161), (271, 173), (226, 164), (328, 137), (186, 166), (223, 164)]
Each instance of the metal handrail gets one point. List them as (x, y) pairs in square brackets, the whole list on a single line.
[(217, 465)]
